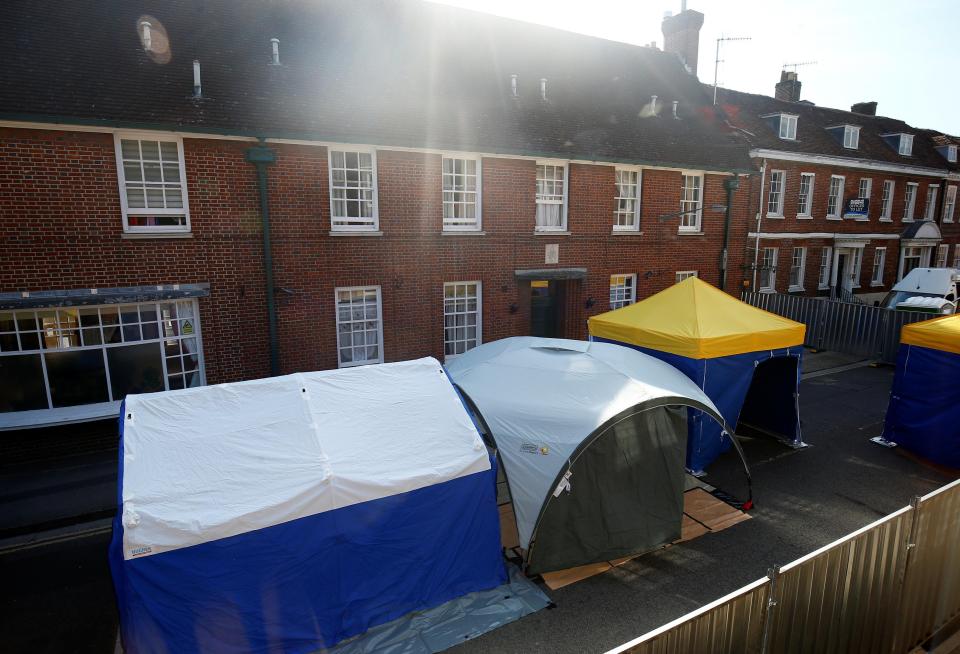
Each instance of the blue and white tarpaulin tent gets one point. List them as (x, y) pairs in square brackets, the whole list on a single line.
[(290, 513), (745, 359), (924, 411)]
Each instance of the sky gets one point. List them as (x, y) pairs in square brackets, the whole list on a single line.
[(900, 53)]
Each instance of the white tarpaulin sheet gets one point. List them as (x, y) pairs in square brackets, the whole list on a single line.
[(207, 463), (541, 398)]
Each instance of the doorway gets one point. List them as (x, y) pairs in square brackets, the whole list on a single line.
[(843, 276), (543, 308)]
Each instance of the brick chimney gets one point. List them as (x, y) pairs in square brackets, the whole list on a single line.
[(865, 108), (788, 88), (681, 36)]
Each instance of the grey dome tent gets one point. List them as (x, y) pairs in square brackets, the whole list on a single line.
[(593, 442)]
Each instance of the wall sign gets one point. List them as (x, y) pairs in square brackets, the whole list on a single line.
[(857, 207)]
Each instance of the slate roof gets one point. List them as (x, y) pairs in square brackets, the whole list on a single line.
[(746, 111), (408, 73)]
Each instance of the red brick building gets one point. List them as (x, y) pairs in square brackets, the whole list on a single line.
[(433, 179), (811, 233)]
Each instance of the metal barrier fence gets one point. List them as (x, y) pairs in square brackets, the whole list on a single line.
[(885, 588), (858, 329)]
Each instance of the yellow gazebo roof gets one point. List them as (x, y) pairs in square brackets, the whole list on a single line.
[(699, 321), (938, 334)]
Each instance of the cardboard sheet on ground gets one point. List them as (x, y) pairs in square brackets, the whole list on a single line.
[(702, 513)]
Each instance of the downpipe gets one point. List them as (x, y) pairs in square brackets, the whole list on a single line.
[(261, 156)]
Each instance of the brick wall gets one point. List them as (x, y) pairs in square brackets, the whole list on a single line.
[(790, 222), (61, 226)]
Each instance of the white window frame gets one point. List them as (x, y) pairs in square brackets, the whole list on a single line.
[(478, 338), (838, 205), (121, 180), (477, 224), (914, 252), (956, 255), (949, 203), (851, 137), (905, 146), (621, 293), (856, 255), (788, 127), (909, 201), (775, 193), (886, 201), (768, 270), (869, 192), (930, 209), (690, 205), (879, 263), (375, 225), (943, 255), (336, 314), (952, 153), (64, 332), (556, 163), (685, 274), (808, 200), (826, 263), (801, 268), (617, 214)]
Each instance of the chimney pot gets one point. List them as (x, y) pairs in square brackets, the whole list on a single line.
[(514, 91), (681, 36), (543, 88), (675, 103)]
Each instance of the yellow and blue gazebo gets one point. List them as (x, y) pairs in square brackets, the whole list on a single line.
[(745, 359), (923, 415)]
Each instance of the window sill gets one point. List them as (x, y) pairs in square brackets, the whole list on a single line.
[(907, 220), (686, 233), (357, 233), (862, 220), (799, 217), (838, 218), (626, 232), (775, 216), (551, 232), (796, 289), (886, 220), (465, 232), (876, 284), (768, 290), (823, 288), (135, 236)]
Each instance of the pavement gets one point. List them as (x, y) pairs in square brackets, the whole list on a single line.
[(57, 596)]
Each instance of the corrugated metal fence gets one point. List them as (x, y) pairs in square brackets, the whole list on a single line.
[(858, 329), (885, 588)]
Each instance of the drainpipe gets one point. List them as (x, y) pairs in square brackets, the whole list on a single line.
[(261, 156), (731, 184), (756, 247)]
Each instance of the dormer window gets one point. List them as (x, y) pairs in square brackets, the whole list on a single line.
[(851, 137), (952, 153), (788, 127), (906, 145), (902, 143)]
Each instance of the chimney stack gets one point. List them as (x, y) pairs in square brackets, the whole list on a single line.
[(681, 36), (788, 88), (865, 108)]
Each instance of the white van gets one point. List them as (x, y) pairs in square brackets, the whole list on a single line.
[(930, 290)]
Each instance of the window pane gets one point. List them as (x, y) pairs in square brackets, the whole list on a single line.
[(135, 369), (130, 149), (21, 383), (77, 377)]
